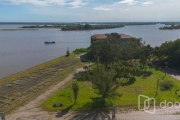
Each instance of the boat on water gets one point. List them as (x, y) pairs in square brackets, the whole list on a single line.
[(49, 42)]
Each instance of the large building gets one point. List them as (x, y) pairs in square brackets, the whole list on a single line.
[(122, 37)]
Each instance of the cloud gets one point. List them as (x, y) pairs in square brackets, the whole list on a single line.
[(102, 9), (57, 2), (129, 2), (73, 3), (147, 3), (33, 2), (78, 3)]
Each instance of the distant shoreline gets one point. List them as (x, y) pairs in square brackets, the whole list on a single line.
[(172, 27), (86, 26), (74, 27), (18, 29), (62, 23)]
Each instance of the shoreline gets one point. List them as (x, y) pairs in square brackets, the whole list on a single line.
[(30, 83)]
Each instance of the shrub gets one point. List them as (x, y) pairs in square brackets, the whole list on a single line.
[(166, 85), (81, 76), (126, 81), (80, 50)]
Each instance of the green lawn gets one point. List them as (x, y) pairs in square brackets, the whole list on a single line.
[(65, 96), (145, 85)]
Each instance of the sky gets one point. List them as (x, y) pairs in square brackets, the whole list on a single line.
[(89, 10)]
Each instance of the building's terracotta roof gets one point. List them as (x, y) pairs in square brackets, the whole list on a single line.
[(123, 36), (99, 36), (104, 36)]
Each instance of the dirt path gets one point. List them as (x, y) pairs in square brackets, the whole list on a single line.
[(31, 110)]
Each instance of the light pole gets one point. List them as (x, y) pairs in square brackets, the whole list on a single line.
[(113, 113)]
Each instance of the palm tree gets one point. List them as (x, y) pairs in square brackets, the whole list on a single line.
[(75, 88)]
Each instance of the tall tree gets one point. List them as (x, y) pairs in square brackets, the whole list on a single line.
[(104, 82), (146, 52)]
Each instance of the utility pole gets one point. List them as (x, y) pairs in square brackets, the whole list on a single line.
[(3, 116)]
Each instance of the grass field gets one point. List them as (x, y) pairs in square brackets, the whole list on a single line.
[(145, 84)]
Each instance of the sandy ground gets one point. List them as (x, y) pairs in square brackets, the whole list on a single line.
[(31, 111)]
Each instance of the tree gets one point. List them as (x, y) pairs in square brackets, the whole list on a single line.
[(100, 50), (104, 82), (131, 49), (112, 49), (147, 50), (75, 88), (87, 26), (169, 52), (127, 68)]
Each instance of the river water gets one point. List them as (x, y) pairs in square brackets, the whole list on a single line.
[(23, 49)]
